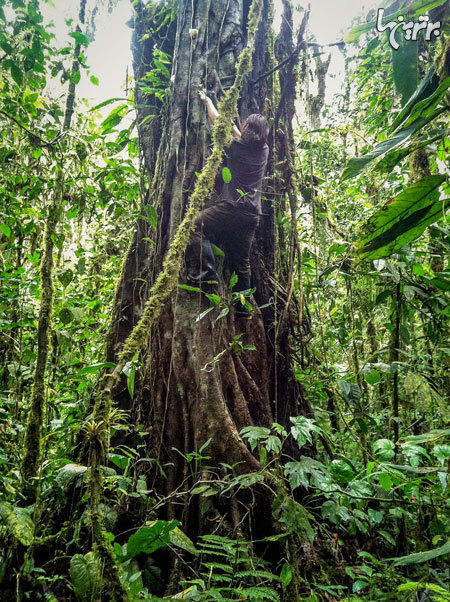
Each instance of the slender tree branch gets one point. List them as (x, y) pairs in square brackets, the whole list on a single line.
[(369, 498), (281, 64), (325, 45), (35, 137)]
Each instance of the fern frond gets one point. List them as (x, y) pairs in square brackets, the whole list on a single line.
[(254, 594), (214, 553), (216, 565), (257, 575), (216, 578)]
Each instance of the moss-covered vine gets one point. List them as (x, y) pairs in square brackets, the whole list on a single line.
[(32, 440)]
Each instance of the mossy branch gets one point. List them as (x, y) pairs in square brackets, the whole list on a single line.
[(111, 572), (442, 59), (32, 439), (70, 101)]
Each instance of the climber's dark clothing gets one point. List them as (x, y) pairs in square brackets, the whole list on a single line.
[(227, 225), (232, 222), (247, 164)]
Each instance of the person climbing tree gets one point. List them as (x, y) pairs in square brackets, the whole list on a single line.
[(233, 221)]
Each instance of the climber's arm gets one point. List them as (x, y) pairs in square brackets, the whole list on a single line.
[(213, 112)]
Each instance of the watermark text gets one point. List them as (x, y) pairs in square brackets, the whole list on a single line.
[(410, 29)]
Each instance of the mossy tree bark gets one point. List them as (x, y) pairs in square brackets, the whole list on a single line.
[(183, 397)]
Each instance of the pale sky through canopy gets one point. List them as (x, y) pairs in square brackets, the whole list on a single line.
[(329, 19), (109, 54)]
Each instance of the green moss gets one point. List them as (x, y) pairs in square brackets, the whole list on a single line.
[(419, 164), (102, 547), (18, 522), (442, 60)]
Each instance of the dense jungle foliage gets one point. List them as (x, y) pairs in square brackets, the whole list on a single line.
[(362, 513)]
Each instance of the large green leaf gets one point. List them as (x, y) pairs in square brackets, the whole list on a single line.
[(432, 436), (80, 38), (86, 577), (356, 165), (105, 103), (418, 112), (425, 108), (302, 429), (149, 539), (94, 368), (425, 89), (226, 175), (114, 118), (18, 522), (299, 473), (130, 372), (393, 157), (17, 74), (441, 283), (351, 392), (68, 473), (181, 540), (5, 229), (402, 219), (422, 556), (405, 68)]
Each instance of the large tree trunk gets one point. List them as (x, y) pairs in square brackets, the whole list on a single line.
[(183, 396)]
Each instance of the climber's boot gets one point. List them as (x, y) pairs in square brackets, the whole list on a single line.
[(201, 264)]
